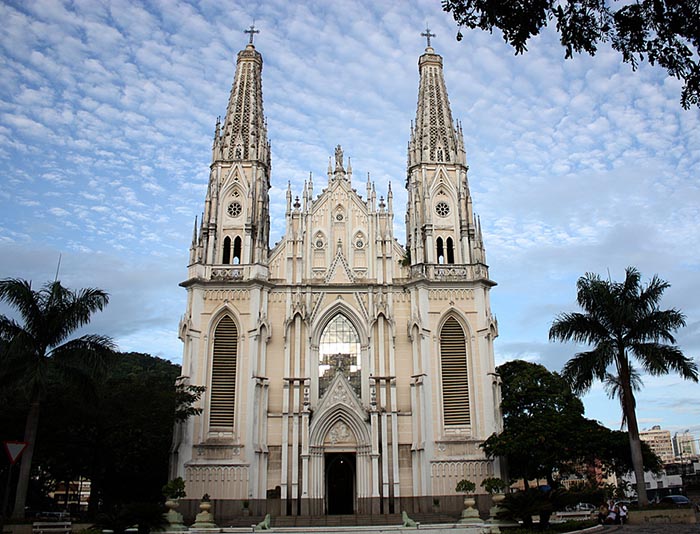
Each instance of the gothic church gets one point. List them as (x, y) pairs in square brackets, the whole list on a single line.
[(344, 373)]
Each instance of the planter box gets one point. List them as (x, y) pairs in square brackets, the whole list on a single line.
[(652, 515)]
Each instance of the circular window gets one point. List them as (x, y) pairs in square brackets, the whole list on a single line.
[(319, 243), (234, 209), (339, 217), (359, 243), (442, 209)]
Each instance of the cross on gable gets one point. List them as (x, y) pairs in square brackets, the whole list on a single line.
[(252, 31), (427, 34)]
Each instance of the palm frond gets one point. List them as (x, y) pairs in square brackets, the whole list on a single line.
[(90, 352), (656, 325), (579, 328), (615, 389), (585, 367), (18, 294), (659, 359)]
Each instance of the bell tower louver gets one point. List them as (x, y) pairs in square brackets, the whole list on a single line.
[(440, 225)]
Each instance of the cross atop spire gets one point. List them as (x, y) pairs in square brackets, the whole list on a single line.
[(427, 34), (252, 31)]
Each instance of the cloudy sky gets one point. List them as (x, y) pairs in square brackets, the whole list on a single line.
[(108, 108)]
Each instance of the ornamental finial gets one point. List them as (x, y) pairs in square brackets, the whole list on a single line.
[(427, 34), (252, 31)]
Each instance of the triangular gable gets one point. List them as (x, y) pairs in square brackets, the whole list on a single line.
[(339, 272), (339, 392)]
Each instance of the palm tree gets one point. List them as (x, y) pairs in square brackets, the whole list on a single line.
[(622, 323), (39, 350)]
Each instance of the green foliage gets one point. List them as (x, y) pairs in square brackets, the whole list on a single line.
[(186, 395), (523, 505), (494, 485), (465, 486), (174, 489), (38, 353), (545, 433), (622, 323), (119, 438), (662, 32)]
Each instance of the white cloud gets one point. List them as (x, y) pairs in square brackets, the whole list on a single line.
[(107, 112)]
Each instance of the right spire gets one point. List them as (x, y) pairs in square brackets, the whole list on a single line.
[(441, 227), (435, 138)]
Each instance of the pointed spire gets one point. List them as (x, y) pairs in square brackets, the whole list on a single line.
[(194, 232), (434, 137), (245, 129)]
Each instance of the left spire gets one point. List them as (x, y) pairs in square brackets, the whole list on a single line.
[(244, 132)]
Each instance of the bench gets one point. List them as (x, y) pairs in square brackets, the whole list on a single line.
[(52, 527)]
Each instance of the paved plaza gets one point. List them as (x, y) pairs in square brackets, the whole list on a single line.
[(653, 529)]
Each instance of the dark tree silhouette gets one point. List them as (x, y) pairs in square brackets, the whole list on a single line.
[(622, 323), (39, 349), (663, 32)]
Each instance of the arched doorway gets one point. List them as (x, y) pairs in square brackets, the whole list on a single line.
[(340, 483)]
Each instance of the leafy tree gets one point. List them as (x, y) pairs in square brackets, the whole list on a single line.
[(545, 433), (663, 32), (622, 322), (39, 351)]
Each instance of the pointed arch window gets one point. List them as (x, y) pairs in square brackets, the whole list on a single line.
[(450, 250), (339, 351), (455, 380), (440, 250), (226, 254), (223, 374), (237, 250)]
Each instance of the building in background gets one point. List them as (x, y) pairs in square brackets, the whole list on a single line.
[(684, 445), (344, 372), (659, 441)]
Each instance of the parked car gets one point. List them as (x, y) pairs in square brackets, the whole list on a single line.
[(676, 500)]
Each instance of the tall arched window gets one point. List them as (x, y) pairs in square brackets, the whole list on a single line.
[(237, 250), (450, 250), (455, 381), (223, 374), (226, 255), (339, 351), (440, 251)]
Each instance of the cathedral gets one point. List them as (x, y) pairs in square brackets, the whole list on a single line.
[(345, 373)]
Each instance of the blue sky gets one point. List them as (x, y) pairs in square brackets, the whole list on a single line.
[(107, 112)]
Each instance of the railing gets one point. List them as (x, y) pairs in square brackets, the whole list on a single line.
[(450, 271)]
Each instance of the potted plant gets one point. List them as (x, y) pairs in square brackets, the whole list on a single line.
[(495, 487), (173, 491), (469, 514)]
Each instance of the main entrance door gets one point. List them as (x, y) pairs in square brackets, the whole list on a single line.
[(340, 483)]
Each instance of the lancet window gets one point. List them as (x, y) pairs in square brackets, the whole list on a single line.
[(223, 375), (226, 253), (339, 351), (455, 380)]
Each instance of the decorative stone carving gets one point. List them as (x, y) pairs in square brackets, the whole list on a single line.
[(340, 433)]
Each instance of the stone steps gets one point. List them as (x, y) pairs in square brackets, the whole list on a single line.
[(341, 520)]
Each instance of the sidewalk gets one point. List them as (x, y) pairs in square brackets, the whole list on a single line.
[(653, 529)]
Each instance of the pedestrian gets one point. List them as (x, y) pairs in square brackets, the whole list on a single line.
[(603, 512), (612, 515), (622, 512)]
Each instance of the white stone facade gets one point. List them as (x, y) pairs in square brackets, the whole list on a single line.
[(344, 372)]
